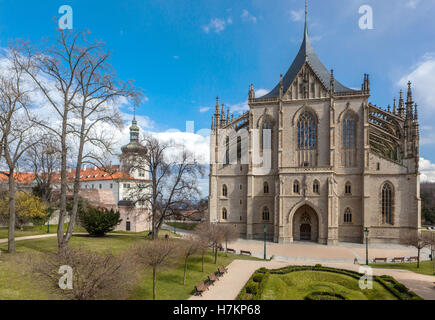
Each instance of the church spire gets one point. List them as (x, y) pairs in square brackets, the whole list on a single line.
[(306, 19), (401, 105), (409, 103)]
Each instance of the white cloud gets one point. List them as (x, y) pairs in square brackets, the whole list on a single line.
[(242, 107), (296, 15), (246, 16), (412, 3), (422, 77), (217, 25), (427, 170), (204, 109)]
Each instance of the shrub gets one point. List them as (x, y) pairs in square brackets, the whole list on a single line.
[(324, 296), (258, 277), (251, 287), (28, 208), (318, 265), (99, 221), (401, 288), (94, 275)]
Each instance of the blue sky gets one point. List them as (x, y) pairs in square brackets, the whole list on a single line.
[(184, 53)]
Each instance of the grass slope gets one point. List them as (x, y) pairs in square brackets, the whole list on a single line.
[(17, 283)]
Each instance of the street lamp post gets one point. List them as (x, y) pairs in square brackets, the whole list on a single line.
[(265, 229), (366, 232)]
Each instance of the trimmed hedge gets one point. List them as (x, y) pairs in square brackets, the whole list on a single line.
[(320, 295), (254, 288)]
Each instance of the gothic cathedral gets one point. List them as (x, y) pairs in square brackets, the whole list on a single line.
[(314, 160)]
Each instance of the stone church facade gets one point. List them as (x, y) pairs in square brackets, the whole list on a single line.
[(314, 160)]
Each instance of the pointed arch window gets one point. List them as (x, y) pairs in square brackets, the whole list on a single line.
[(266, 134), (224, 191), (296, 187), (224, 214), (348, 188), (239, 149), (227, 150), (387, 204), (266, 214), (348, 154), (316, 187), (307, 131), (348, 216), (348, 132), (266, 187)]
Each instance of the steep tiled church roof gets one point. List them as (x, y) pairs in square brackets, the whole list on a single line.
[(307, 54)]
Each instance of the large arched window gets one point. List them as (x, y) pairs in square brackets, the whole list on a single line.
[(307, 131), (266, 134), (348, 145), (224, 214), (348, 132), (227, 150), (224, 191), (387, 204), (239, 149), (306, 143), (266, 214), (348, 216)]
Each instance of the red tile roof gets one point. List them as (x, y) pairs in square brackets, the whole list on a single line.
[(89, 174)]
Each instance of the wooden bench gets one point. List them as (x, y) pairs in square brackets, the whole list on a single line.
[(244, 252), (398, 259), (201, 288), (231, 250), (222, 270), (375, 260), (212, 278), (413, 259)]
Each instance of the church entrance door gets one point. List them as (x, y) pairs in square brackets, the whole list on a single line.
[(305, 224), (305, 232)]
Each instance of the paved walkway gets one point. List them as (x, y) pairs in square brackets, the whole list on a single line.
[(239, 272), (39, 236), (312, 252)]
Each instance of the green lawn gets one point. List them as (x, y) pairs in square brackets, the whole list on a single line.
[(426, 267), (182, 225), (17, 283), (297, 285), (35, 230)]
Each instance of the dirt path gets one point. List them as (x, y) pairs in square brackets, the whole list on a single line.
[(239, 272)]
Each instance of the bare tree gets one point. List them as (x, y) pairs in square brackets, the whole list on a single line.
[(211, 234), (44, 158), (95, 275), (188, 249), (17, 132), (418, 241), (229, 234), (157, 254), (77, 80), (174, 174)]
